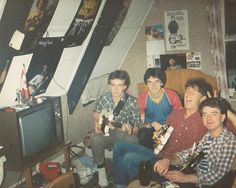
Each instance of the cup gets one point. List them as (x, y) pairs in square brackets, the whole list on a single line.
[(145, 173)]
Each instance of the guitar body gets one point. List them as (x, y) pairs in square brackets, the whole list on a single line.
[(195, 159), (160, 137)]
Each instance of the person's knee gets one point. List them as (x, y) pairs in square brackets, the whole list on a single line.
[(128, 159), (143, 133), (119, 145), (97, 139), (130, 166)]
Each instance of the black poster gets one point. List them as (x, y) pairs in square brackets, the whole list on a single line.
[(14, 14), (91, 55), (82, 22), (43, 66), (124, 7), (36, 23)]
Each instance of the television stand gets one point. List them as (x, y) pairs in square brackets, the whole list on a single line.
[(28, 171)]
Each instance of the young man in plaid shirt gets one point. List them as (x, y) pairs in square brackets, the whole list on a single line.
[(218, 146), (118, 82)]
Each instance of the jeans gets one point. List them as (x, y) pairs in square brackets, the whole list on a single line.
[(145, 137), (126, 159), (101, 142)]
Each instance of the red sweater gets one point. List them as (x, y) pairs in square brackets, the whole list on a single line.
[(172, 97)]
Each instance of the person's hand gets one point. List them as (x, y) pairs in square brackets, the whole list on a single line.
[(215, 94), (156, 125), (135, 130), (162, 166), (97, 128), (177, 176)]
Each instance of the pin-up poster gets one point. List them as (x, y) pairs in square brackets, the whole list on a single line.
[(176, 30)]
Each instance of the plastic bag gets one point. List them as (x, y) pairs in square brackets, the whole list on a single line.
[(84, 167)]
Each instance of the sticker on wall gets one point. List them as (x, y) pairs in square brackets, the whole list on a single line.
[(193, 60)]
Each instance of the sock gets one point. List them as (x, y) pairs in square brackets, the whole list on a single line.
[(102, 177), (120, 186)]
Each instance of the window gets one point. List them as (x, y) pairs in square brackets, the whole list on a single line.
[(230, 41)]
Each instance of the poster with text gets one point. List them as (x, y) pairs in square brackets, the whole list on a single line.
[(193, 60), (176, 30)]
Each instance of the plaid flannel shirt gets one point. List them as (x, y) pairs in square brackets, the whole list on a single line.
[(221, 154), (129, 113)]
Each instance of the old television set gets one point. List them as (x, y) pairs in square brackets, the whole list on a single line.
[(30, 135)]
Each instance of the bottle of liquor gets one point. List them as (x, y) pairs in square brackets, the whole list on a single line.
[(145, 173)]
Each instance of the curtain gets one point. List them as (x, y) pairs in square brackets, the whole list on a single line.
[(217, 46)]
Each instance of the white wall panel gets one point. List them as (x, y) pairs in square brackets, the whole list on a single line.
[(62, 18)]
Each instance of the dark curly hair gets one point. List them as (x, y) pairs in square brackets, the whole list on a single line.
[(156, 73), (203, 86)]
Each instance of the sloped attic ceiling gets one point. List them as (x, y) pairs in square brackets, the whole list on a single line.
[(64, 55)]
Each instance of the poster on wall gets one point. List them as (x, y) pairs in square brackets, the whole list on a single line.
[(42, 68), (155, 44), (176, 30), (13, 80), (82, 22), (37, 22), (193, 60), (173, 61), (124, 7)]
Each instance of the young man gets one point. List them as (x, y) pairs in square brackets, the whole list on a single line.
[(118, 82), (218, 147), (155, 105), (188, 128)]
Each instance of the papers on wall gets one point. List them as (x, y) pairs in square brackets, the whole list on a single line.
[(155, 44)]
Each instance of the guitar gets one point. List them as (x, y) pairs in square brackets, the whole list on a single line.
[(195, 158), (161, 136), (107, 124)]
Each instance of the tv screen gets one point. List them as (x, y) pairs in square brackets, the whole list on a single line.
[(37, 129), (32, 133)]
